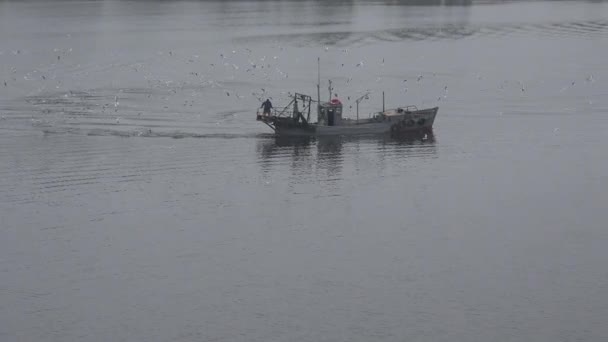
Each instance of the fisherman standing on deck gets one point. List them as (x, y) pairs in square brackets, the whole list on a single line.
[(267, 105)]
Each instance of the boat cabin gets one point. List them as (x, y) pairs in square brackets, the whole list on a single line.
[(330, 113)]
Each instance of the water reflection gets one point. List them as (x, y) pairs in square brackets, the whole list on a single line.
[(415, 138), (330, 157), (340, 23), (325, 156), (227, 6), (428, 2)]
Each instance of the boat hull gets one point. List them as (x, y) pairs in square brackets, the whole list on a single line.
[(397, 121)]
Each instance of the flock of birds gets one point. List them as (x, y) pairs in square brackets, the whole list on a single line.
[(226, 68)]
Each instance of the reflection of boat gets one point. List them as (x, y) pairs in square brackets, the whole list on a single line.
[(291, 121), (420, 138), (300, 146), (309, 154)]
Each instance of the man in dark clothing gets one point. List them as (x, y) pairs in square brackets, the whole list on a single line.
[(267, 105)]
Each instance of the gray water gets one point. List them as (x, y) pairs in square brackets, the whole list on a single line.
[(141, 201)]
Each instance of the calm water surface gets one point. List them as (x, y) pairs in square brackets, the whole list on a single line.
[(141, 201)]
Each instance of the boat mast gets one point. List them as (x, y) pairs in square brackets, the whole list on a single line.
[(318, 85), (364, 96)]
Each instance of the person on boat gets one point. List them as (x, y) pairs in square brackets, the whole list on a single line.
[(267, 105)]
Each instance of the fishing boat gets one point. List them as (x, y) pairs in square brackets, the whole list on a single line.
[(294, 119)]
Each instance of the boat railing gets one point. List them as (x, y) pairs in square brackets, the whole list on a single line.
[(407, 109), (410, 108), (273, 113)]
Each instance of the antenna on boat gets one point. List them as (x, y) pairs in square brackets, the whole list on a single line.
[(357, 101), (318, 85), (382, 102)]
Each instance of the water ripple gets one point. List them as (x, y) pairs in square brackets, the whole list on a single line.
[(591, 28)]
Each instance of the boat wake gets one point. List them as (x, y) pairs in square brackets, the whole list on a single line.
[(149, 133)]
